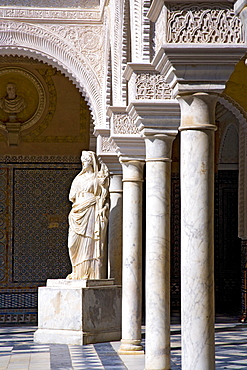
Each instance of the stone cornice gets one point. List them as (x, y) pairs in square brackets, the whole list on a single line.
[(137, 67), (130, 147), (155, 10), (162, 115)]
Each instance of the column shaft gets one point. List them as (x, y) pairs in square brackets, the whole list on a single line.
[(158, 187), (115, 229), (197, 232), (132, 258)]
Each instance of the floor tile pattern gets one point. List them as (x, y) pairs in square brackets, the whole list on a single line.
[(18, 351)]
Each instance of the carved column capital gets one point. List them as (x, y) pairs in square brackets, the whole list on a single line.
[(191, 68)]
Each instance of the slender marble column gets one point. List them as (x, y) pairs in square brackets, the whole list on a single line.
[(115, 229), (158, 188), (132, 257), (197, 230)]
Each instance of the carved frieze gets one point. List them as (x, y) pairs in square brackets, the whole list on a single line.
[(203, 23), (49, 14), (152, 86), (124, 125), (53, 3)]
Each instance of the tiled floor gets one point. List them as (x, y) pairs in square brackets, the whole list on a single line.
[(19, 352)]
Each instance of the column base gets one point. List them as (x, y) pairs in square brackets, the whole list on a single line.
[(130, 347)]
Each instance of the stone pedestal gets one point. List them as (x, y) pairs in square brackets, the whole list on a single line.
[(79, 312)]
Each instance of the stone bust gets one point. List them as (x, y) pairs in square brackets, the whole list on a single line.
[(12, 103)]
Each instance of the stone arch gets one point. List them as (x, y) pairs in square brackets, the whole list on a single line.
[(230, 140), (19, 38), (230, 105)]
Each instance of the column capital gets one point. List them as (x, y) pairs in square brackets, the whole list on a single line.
[(132, 169), (198, 111), (159, 146), (190, 68)]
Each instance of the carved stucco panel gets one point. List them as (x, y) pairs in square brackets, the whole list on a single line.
[(107, 145), (152, 86), (124, 125), (87, 40), (204, 23)]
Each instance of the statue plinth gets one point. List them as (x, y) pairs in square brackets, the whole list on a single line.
[(79, 312), (13, 129)]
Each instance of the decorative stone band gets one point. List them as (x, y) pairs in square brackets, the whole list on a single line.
[(131, 344), (52, 15), (198, 127), (158, 160)]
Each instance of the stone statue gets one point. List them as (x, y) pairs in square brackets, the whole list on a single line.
[(12, 103), (88, 219)]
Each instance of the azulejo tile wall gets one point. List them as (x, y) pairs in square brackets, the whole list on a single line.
[(34, 208)]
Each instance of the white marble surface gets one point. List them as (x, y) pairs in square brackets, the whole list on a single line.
[(197, 232), (132, 256), (83, 315), (158, 185), (115, 229)]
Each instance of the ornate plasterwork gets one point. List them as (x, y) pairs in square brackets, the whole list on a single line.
[(51, 15), (107, 145), (203, 23), (152, 86), (53, 3), (124, 125), (87, 40), (26, 39)]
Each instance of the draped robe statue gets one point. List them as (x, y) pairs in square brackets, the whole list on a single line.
[(88, 219)]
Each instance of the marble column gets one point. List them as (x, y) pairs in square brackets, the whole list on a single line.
[(197, 230), (132, 257), (158, 188), (115, 229)]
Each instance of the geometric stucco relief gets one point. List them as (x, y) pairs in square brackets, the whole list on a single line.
[(204, 23), (151, 86)]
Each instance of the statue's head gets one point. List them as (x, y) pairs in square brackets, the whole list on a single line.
[(88, 158), (11, 90)]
